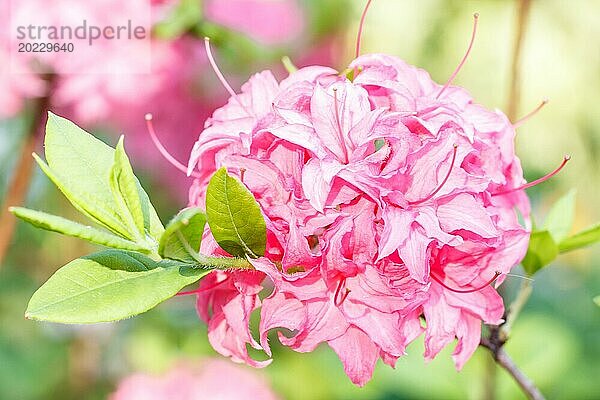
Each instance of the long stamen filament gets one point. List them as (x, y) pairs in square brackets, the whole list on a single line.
[(441, 185), (525, 118), (220, 75), (163, 151), (464, 59), (360, 29), (537, 181), (438, 280), (215, 68)]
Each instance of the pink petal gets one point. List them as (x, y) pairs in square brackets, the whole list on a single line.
[(428, 220), (279, 311), (395, 231), (381, 328), (352, 105), (414, 253), (464, 212), (317, 177), (324, 323), (358, 354), (468, 332)]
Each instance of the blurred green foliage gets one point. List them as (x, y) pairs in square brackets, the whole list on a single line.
[(556, 340)]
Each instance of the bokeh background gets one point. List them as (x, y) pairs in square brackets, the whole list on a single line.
[(556, 339)]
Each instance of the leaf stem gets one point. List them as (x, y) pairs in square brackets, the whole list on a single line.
[(223, 263), (213, 262)]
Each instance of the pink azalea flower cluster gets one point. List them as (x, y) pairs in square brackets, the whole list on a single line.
[(390, 210), (195, 382)]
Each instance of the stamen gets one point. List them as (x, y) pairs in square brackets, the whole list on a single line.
[(339, 126), (438, 280), (519, 276), (220, 75), (524, 119), (441, 185), (537, 181), (464, 59), (242, 172), (163, 151), (288, 65), (360, 30), (337, 300)]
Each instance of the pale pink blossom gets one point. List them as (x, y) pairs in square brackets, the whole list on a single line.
[(208, 379), (178, 88)]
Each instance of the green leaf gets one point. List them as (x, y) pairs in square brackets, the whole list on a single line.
[(109, 286), (582, 239), (66, 227), (541, 252), (234, 216), (152, 223), (80, 166), (183, 235), (597, 300), (84, 203), (560, 218), (123, 184)]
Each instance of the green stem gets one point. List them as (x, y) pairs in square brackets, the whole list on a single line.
[(515, 309), (213, 262)]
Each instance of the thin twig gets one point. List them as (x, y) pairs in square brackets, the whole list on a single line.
[(503, 359), (514, 90), (23, 170)]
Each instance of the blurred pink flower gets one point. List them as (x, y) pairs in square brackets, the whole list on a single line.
[(268, 21), (177, 90), (380, 201), (210, 379)]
